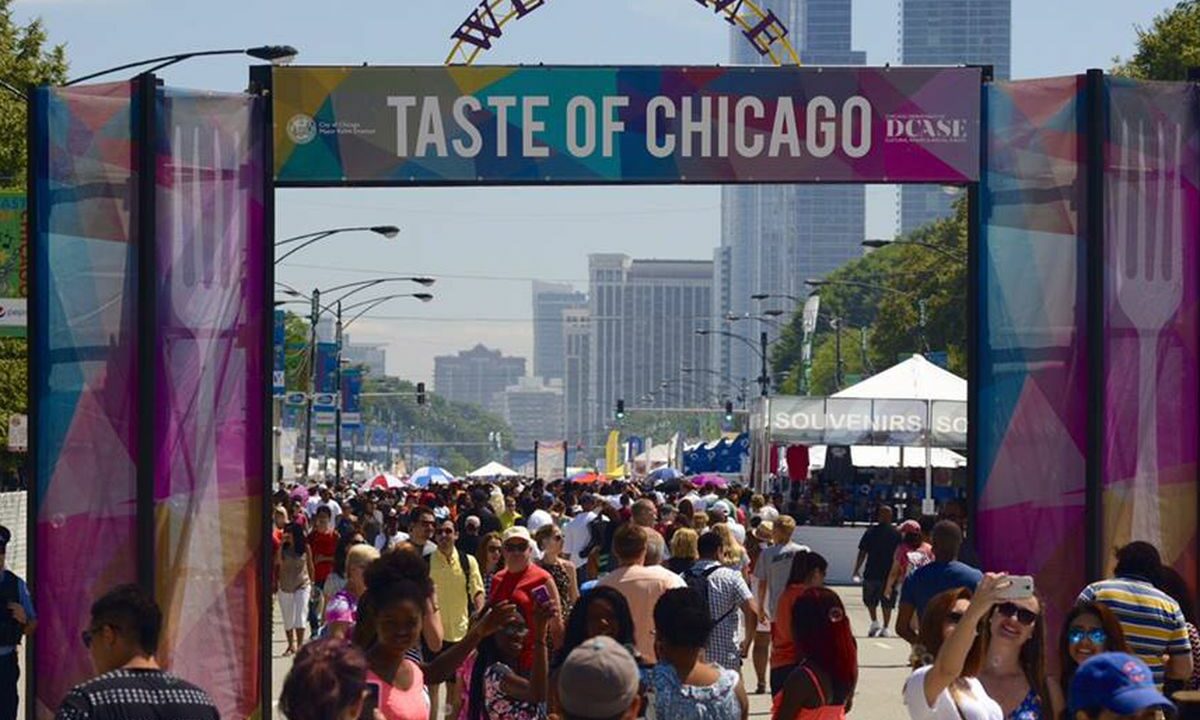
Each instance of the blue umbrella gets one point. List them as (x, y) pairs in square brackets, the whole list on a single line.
[(430, 475), (663, 474)]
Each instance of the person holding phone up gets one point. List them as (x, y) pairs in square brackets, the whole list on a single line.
[(517, 583)]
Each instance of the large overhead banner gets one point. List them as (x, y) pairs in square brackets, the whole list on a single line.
[(855, 421), (561, 125)]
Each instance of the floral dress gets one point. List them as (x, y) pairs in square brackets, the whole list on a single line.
[(676, 701), (500, 705)]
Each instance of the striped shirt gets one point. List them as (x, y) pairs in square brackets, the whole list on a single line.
[(1152, 621)]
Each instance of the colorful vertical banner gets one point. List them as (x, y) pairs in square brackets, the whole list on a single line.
[(327, 358), (85, 386), (352, 380), (212, 374), (1151, 320), (553, 125), (279, 367), (13, 264), (550, 459), (1033, 371)]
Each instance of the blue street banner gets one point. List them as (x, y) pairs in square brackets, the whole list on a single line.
[(326, 367), (351, 398), (324, 408), (279, 374)]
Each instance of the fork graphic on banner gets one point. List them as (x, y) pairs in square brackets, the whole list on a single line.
[(1149, 287)]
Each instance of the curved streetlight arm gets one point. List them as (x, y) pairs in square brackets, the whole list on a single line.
[(357, 287), (274, 53), (785, 296), (369, 305), (17, 93), (856, 283), (750, 343), (945, 252), (314, 238)]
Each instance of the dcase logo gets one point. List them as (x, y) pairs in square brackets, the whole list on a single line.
[(302, 129), (917, 128)]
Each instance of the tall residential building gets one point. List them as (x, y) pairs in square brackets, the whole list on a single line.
[(577, 328), (777, 236), (533, 409), (549, 338), (950, 32), (476, 375), (644, 317)]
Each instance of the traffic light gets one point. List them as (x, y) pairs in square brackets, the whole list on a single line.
[(728, 411), (620, 409), (420, 393)]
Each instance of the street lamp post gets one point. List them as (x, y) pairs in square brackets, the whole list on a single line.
[(764, 380), (882, 288), (387, 231), (275, 54), (944, 252)]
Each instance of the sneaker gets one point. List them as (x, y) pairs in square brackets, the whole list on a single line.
[(883, 632), (874, 631)]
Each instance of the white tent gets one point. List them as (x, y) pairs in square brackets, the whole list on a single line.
[(914, 379), (493, 469)]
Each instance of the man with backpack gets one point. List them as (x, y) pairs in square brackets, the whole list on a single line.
[(724, 591)]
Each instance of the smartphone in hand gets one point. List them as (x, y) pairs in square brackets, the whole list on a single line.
[(1019, 588), (540, 595)]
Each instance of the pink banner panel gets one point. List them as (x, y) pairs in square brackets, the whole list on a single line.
[(1151, 323), (1033, 341), (211, 385), (85, 388)]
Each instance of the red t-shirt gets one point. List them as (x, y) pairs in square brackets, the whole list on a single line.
[(322, 543), (783, 642), (517, 589)]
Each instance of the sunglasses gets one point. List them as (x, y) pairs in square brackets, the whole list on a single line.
[(445, 531), (516, 548), (1023, 616), (1096, 635), (493, 548)]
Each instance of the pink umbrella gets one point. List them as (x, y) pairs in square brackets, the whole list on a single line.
[(710, 480), (299, 493)]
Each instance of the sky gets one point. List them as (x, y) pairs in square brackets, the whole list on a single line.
[(486, 245)]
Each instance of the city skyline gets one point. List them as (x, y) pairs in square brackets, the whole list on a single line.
[(489, 244)]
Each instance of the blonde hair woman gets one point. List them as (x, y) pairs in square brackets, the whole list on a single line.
[(342, 612), (684, 550), (733, 555)]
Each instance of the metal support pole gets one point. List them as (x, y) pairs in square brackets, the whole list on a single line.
[(313, 317), (1093, 471), (147, 324), (837, 345), (764, 380), (337, 412), (928, 507)]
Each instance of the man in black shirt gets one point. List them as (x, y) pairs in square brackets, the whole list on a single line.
[(122, 639), (877, 547)]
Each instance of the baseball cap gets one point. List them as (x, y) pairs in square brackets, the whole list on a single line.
[(517, 531), (599, 679), (1117, 682), (910, 526)]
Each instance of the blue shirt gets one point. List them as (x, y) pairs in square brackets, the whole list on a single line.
[(27, 603), (936, 578)]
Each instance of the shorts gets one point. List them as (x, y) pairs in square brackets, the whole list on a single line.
[(873, 595)]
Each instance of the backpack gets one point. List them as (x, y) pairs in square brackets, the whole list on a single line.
[(697, 580)]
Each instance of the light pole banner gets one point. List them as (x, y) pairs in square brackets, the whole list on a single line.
[(13, 315), (351, 398), (560, 125), (853, 421), (278, 373)]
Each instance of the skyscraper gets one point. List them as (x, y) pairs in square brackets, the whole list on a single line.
[(476, 375), (533, 409), (779, 235), (577, 327), (549, 338), (950, 32), (644, 317)]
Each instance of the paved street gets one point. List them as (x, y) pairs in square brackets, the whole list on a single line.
[(882, 663)]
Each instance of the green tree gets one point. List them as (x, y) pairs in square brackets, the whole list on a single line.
[(905, 277), (25, 60), (1169, 47)]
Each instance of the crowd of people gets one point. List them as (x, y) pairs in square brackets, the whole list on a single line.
[(530, 601), (533, 600)]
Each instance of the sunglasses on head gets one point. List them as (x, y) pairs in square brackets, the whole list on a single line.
[(1023, 616), (1096, 635)]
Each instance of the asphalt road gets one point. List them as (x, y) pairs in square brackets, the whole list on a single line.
[(882, 668)]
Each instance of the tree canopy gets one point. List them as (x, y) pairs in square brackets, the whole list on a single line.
[(1169, 47), (883, 292), (26, 59)]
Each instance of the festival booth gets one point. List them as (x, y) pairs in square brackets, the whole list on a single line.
[(492, 471), (151, 223)]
